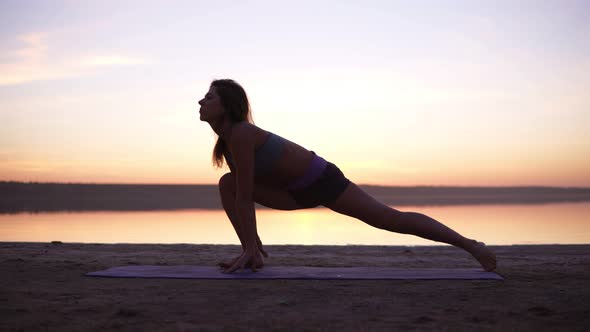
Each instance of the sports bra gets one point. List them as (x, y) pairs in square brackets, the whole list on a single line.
[(266, 155)]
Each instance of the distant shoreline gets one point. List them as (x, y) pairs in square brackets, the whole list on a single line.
[(48, 197)]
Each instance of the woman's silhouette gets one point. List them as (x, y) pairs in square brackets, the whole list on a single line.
[(279, 174)]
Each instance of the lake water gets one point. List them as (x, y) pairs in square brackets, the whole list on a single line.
[(559, 223)]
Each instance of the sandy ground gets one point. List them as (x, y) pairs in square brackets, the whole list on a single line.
[(43, 288)]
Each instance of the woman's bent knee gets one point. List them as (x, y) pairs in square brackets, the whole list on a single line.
[(227, 182)]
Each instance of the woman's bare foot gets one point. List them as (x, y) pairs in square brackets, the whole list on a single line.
[(483, 254)]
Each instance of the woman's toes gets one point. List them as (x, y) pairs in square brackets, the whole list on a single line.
[(484, 256)]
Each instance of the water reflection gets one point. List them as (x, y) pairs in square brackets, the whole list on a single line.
[(563, 223)]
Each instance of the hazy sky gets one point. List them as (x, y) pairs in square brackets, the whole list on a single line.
[(393, 92)]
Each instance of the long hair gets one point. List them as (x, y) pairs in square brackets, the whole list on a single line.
[(235, 105)]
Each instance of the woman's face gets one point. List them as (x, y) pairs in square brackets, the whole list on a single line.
[(211, 108)]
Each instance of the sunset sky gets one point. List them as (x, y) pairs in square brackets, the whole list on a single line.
[(486, 93)]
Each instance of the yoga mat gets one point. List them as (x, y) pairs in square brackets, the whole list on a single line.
[(293, 272)]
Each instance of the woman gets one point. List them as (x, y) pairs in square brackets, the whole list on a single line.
[(279, 174)]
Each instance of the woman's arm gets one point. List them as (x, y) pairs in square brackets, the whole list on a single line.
[(242, 143), (243, 153), (232, 169)]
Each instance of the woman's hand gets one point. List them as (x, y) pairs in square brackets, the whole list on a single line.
[(225, 265), (260, 247), (251, 258)]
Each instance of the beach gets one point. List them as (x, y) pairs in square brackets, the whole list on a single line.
[(43, 287)]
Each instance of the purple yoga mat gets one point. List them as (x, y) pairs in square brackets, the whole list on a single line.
[(293, 272)]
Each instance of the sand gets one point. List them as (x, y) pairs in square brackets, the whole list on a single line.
[(43, 287)]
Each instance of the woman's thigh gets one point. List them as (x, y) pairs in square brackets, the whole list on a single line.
[(355, 202), (275, 198), (264, 195)]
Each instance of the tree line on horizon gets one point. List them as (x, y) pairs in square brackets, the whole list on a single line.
[(18, 197)]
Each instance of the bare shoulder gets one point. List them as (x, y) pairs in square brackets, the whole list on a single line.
[(245, 134)]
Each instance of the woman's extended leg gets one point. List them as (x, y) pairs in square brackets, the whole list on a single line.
[(356, 203)]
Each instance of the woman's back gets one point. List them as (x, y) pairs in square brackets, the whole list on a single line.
[(278, 161)]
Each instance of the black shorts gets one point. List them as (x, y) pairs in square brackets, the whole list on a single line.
[(326, 189)]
